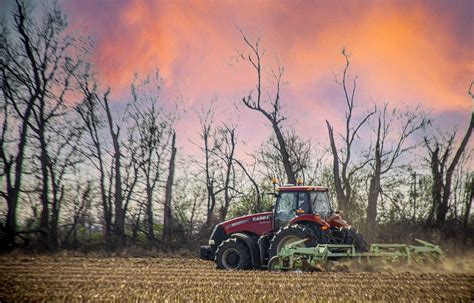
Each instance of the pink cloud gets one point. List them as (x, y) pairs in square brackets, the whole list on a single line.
[(402, 52)]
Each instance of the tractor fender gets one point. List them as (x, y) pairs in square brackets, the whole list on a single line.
[(263, 246), (314, 219), (336, 220), (251, 243)]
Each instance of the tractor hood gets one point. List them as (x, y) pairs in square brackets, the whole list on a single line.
[(256, 223)]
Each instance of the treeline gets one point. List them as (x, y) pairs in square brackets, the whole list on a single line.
[(80, 171)]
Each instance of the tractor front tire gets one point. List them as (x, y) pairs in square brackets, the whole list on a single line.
[(290, 234), (232, 254)]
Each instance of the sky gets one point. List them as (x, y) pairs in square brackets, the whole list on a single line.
[(403, 52)]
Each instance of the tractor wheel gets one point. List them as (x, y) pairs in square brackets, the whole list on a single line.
[(273, 263), (232, 254), (292, 234), (356, 238)]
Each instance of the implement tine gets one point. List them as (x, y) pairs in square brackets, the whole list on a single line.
[(302, 257), (426, 243)]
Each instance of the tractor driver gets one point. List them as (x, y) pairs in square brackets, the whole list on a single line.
[(303, 202)]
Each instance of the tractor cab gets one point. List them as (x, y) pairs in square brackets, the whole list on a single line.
[(294, 201)]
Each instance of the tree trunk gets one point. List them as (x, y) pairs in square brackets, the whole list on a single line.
[(211, 197), (168, 193), (229, 167), (14, 191), (89, 117), (437, 186), (342, 199), (54, 234), (149, 217), (374, 191), (119, 226), (58, 193), (415, 195), (10, 227), (119, 223), (284, 153), (107, 212), (470, 197), (258, 202), (444, 205), (44, 196)]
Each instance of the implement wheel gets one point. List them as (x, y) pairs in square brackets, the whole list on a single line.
[(290, 234), (273, 264), (232, 254)]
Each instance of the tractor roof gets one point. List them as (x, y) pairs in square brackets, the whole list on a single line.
[(289, 187)]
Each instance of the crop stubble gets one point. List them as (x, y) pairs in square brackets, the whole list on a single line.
[(189, 279)]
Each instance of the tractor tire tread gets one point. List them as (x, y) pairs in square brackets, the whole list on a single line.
[(299, 230), (240, 246)]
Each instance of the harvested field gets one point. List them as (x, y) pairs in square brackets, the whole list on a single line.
[(26, 278)]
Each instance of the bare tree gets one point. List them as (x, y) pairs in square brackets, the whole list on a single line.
[(64, 157), (218, 164), (118, 197), (37, 65), (207, 166), (439, 151), (274, 115), (21, 87), (469, 188), (93, 149), (188, 200), (80, 207), (250, 175), (343, 168), (135, 219), (303, 158), (148, 142), (116, 188), (392, 130), (224, 149)]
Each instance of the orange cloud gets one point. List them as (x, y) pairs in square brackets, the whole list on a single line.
[(402, 51)]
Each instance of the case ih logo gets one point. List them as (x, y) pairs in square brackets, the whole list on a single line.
[(260, 218), (255, 219)]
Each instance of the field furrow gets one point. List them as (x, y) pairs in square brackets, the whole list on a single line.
[(189, 279)]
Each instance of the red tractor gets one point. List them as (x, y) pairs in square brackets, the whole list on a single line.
[(300, 212)]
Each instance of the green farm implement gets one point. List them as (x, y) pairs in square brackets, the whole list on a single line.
[(297, 257)]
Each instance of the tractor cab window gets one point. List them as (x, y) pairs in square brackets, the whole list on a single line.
[(303, 202), (285, 208), (320, 203)]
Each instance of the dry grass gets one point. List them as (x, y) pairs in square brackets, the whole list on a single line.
[(66, 278)]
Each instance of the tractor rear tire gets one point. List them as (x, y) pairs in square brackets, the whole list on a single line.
[(232, 254), (290, 234), (356, 238)]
